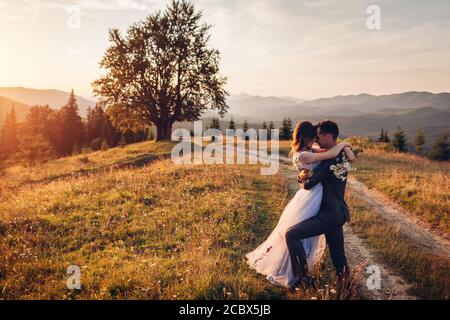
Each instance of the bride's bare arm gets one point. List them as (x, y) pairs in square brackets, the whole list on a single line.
[(349, 154), (309, 157)]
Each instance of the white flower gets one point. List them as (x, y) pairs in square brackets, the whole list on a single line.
[(340, 170)]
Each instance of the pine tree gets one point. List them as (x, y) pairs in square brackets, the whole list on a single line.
[(8, 137), (382, 136), (286, 129), (419, 140), (71, 127), (43, 120), (98, 125), (264, 127), (441, 148), (215, 124), (386, 137), (269, 133), (2, 160), (399, 140), (33, 149), (232, 125), (245, 125)]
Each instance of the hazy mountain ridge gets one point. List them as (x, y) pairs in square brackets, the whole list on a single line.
[(6, 105), (362, 114), (259, 108), (54, 98)]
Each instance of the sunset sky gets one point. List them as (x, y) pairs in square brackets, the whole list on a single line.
[(302, 48)]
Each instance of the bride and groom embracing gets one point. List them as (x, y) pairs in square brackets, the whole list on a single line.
[(315, 216)]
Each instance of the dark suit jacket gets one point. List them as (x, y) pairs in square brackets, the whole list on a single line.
[(333, 209)]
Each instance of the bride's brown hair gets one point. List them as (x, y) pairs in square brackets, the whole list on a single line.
[(303, 133)]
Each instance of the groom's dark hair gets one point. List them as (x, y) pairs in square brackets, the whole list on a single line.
[(328, 126)]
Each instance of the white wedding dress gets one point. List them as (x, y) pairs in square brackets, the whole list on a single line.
[(272, 258)]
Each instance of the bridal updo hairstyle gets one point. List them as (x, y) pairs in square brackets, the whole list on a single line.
[(303, 133)]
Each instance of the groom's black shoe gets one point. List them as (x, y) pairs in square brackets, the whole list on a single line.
[(344, 285)]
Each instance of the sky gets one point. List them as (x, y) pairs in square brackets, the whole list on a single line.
[(302, 48)]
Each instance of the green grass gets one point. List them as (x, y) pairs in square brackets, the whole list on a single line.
[(140, 229), (158, 232), (428, 273)]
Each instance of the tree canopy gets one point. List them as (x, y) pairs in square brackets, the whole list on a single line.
[(161, 72)]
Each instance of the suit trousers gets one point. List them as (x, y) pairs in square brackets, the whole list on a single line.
[(310, 228)]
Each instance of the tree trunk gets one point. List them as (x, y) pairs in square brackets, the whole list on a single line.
[(164, 132)]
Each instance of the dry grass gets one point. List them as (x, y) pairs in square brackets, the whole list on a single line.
[(155, 232), (17, 174), (428, 273), (159, 232), (418, 184)]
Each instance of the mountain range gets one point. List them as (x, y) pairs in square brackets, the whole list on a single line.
[(362, 114), (25, 97)]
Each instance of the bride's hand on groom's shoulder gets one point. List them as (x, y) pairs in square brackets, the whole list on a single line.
[(349, 154), (304, 176)]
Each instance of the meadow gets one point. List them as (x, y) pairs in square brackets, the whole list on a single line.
[(428, 272), (415, 183), (156, 231), (140, 227)]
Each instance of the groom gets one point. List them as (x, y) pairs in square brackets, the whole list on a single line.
[(333, 213)]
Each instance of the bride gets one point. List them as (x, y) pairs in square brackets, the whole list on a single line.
[(272, 258)]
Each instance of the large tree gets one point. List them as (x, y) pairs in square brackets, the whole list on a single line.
[(161, 72)]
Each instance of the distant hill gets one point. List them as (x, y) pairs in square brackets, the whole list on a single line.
[(20, 108), (54, 98), (362, 114), (371, 103), (432, 120), (257, 108)]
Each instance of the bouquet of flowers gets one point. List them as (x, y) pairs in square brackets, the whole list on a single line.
[(342, 168)]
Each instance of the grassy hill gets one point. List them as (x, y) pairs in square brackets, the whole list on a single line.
[(138, 229), (417, 184)]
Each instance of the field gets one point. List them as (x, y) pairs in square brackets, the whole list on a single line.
[(157, 231), (419, 185), (140, 227)]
